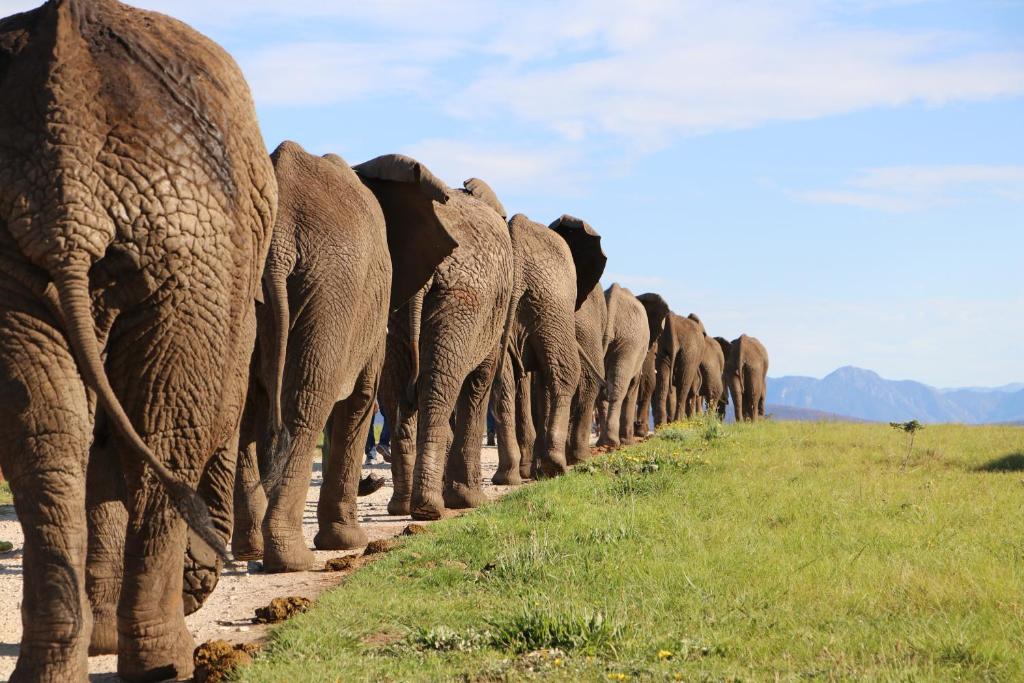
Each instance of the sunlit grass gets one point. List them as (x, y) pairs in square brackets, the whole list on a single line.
[(788, 550)]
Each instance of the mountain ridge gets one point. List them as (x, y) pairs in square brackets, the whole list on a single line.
[(865, 395)]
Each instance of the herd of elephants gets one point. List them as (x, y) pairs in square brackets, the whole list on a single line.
[(182, 313)]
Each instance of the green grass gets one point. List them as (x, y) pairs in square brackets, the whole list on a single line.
[(777, 551), (5, 493)]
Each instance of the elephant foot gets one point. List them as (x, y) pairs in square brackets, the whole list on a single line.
[(552, 468), (337, 536), (427, 508), (103, 639), (280, 556), (247, 545), (51, 667), (526, 472), (459, 497), (578, 455), (166, 657), (399, 506), (507, 477)]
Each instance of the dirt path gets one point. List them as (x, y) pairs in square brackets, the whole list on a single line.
[(228, 613)]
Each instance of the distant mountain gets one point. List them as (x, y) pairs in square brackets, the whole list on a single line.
[(864, 395)]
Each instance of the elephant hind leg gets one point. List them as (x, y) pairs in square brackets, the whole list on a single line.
[(337, 509), (463, 481), (45, 432), (505, 424), (250, 504)]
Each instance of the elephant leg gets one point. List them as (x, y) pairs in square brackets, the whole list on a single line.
[(108, 521), (736, 391), (504, 403), (629, 413), (645, 393), (617, 385), (336, 510), (45, 432), (463, 482), (662, 407), (581, 421), (217, 488), (250, 498), (400, 410), (526, 430), (557, 352), (153, 640)]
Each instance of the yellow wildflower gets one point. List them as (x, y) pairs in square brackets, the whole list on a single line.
[(664, 654)]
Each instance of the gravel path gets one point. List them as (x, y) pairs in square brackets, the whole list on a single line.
[(228, 612)]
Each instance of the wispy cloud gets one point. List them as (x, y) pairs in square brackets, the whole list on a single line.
[(507, 168), (917, 188)]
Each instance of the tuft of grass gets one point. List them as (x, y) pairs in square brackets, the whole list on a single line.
[(535, 628), (768, 551)]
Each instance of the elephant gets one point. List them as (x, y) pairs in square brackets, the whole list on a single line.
[(591, 322), (680, 348), (627, 339), (657, 315), (552, 265), (746, 371), (332, 276), (443, 346), (711, 373), (136, 207)]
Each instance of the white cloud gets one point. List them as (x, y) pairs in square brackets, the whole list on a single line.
[(648, 71), (916, 188), (507, 168)]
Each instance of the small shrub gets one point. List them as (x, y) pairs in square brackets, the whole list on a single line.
[(674, 434), (444, 639), (535, 628)]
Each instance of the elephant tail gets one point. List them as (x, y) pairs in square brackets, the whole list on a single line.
[(415, 325), (280, 437), (72, 285)]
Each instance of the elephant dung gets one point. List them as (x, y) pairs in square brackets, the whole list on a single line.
[(340, 564), (216, 660), (280, 609), (384, 545), (414, 530)]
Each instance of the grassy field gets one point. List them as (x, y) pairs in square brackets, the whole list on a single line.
[(777, 551)]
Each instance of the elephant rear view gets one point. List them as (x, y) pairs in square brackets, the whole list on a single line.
[(136, 204), (330, 285), (746, 370), (442, 349), (680, 349)]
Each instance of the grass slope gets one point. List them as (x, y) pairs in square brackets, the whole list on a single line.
[(742, 552)]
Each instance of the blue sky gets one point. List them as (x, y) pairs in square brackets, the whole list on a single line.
[(843, 179)]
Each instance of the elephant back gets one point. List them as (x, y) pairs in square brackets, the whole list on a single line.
[(482, 191), (657, 313)]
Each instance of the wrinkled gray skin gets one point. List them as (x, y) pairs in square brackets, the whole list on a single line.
[(712, 384), (136, 204), (591, 322), (442, 355), (543, 342), (680, 349), (627, 339), (329, 284), (746, 371)]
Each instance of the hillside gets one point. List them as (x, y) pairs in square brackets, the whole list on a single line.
[(865, 395)]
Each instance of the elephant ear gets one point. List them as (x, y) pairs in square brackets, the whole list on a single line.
[(418, 237), (657, 314), (587, 254), (724, 343), (484, 193)]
